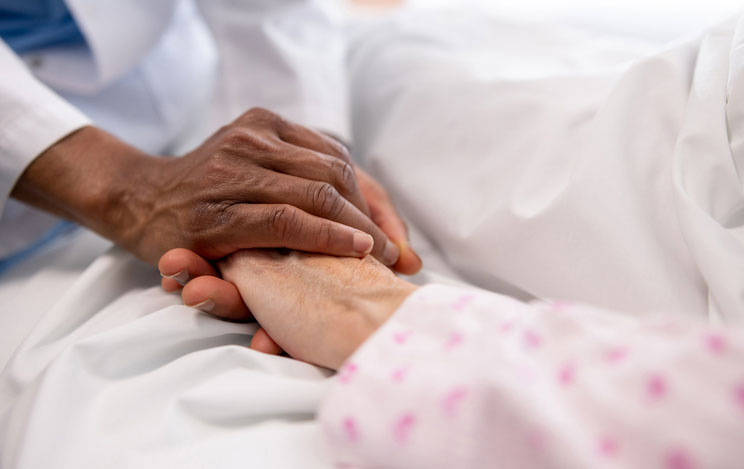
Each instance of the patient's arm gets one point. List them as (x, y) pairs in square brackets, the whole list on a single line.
[(462, 378), (459, 378)]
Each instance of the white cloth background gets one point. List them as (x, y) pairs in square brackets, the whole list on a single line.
[(553, 163)]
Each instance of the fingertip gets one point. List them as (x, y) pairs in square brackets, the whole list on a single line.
[(362, 243), (198, 290), (173, 261), (391, 254), (169, 285), (262, 342), (182, 264), (409, 262), (217, 297)]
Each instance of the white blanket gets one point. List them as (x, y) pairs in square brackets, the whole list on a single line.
[(576, 168)]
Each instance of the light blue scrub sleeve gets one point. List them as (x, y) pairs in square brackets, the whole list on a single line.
[(27, 25)]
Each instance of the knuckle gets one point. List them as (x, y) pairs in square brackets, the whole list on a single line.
[(283, 221), (341, 149), (203, 223), (235, 137), (325, 199), (343, 175), (252, 113), (324, 236), (258, 111), (262, 116), (206, 216), (244, 141), (224, 129), (217, 168)]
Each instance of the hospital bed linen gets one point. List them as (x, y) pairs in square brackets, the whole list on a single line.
[(115, 373), (462, 378), (560, 164)]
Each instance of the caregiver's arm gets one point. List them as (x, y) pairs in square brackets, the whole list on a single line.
[(260, 181), (463, 378), (291, 56)]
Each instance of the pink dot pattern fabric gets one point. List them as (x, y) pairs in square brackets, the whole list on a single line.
[(465, 378)]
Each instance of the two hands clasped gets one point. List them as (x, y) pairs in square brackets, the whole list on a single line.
[(261, 181), (258, 182), (317, 308)]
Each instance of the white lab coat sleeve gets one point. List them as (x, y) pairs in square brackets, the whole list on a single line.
[(32, 118), (284, 55), (462, 378)]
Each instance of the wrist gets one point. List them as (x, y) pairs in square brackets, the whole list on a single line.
[(123, 209), (89, 177), (116, 189), (371, 309)]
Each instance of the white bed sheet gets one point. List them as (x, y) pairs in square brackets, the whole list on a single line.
[(532, 176), (116, 373)]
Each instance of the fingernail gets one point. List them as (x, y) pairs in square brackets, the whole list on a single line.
[(181, 277), (363, 243), (206, 305), (391, 254)]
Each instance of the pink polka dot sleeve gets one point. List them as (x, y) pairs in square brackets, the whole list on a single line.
[(463, 378)]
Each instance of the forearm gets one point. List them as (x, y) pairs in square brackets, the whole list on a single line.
[(94, 179)]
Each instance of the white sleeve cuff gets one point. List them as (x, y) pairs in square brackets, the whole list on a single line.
[(32, 118), (29, 134)]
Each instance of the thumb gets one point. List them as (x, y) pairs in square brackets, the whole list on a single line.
[(384, 215)]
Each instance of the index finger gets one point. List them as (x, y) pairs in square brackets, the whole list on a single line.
[(309, 139), (299, 135), (322, 200), (317, 166)]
